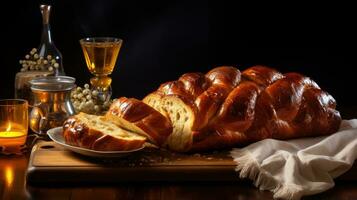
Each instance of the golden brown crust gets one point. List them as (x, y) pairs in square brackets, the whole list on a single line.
[(78, 133), (153, 124), (222, 82), (317, 115), (262, 75), (194, 83), (225, 75), (238, 110)]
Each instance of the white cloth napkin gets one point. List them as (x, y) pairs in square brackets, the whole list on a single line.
[(295, 168)]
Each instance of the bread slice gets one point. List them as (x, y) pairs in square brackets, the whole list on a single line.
[(96, 133), (180, 114), (136, 116)]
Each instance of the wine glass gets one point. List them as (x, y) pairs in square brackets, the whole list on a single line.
[(101, 54)]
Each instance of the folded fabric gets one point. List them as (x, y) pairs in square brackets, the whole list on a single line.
[(295, 168)]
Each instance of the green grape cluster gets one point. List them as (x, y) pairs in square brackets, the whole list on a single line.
[(33, 62), (87, 100)]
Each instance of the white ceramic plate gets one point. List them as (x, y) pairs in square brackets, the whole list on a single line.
[(56, 135)]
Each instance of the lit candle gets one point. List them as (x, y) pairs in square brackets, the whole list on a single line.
[(14, 135), (13, 125)]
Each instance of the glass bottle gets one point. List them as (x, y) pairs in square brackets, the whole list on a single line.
[(47, 46)]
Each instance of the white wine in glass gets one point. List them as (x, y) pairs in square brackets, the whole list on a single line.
[(101, 54)]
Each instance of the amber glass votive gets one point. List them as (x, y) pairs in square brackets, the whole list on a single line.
[(13, 125)]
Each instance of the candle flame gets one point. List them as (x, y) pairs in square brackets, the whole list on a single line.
[(8, 127)]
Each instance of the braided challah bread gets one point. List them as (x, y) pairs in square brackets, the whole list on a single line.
[(226, 108)]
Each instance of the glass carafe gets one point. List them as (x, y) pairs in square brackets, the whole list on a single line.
[(47, 46)]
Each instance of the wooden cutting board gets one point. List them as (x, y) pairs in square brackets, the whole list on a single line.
[(50, 162)]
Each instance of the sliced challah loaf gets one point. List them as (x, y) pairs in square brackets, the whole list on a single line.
[(226, 108)]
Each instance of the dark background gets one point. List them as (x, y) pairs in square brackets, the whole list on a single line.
[(163, 40)]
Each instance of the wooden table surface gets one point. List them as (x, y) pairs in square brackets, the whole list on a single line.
[(13, 186)]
